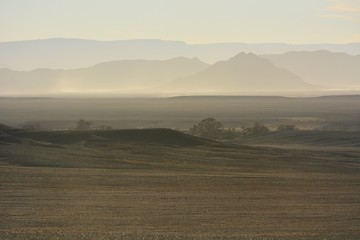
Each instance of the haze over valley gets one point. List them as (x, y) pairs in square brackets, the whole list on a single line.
[(180, 120), (294, 73)]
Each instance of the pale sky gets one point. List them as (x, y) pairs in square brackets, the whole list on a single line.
[(193, 21)]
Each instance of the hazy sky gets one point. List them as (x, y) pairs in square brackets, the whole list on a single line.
[(193, 21)]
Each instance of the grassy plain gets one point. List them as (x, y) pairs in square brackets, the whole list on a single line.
[(166, 185)]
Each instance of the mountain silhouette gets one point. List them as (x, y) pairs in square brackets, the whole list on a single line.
[(321, 67), (67, 53), (242, 72), (117, 75)]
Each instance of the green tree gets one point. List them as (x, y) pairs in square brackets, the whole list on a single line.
[(83, 124), (207, 128), (256, 129)]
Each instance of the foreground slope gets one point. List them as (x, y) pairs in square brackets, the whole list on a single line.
[(133, 136), (137, 190), (309, 139)]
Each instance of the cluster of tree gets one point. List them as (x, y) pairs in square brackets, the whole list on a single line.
[(213, 129), (83, 125), (208, 128), (256, 129)]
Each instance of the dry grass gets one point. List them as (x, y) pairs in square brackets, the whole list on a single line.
[(163, 192)]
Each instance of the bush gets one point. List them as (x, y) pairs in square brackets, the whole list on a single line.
[(207, 128), (256, 129), (83, 124)]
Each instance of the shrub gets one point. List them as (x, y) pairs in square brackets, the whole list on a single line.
[(83, 124), (256, 129), (207, 128)]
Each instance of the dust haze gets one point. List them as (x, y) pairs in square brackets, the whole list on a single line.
[(162, 68), (246, 125)]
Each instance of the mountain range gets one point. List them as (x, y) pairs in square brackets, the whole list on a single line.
[(245, 72), (62, 53), (125, 75), (321, 67), (241, 73)]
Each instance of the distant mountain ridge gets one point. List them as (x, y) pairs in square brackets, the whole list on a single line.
[(240, 74), (243, 72), (122, 75), (321, 67), (62, 53)]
